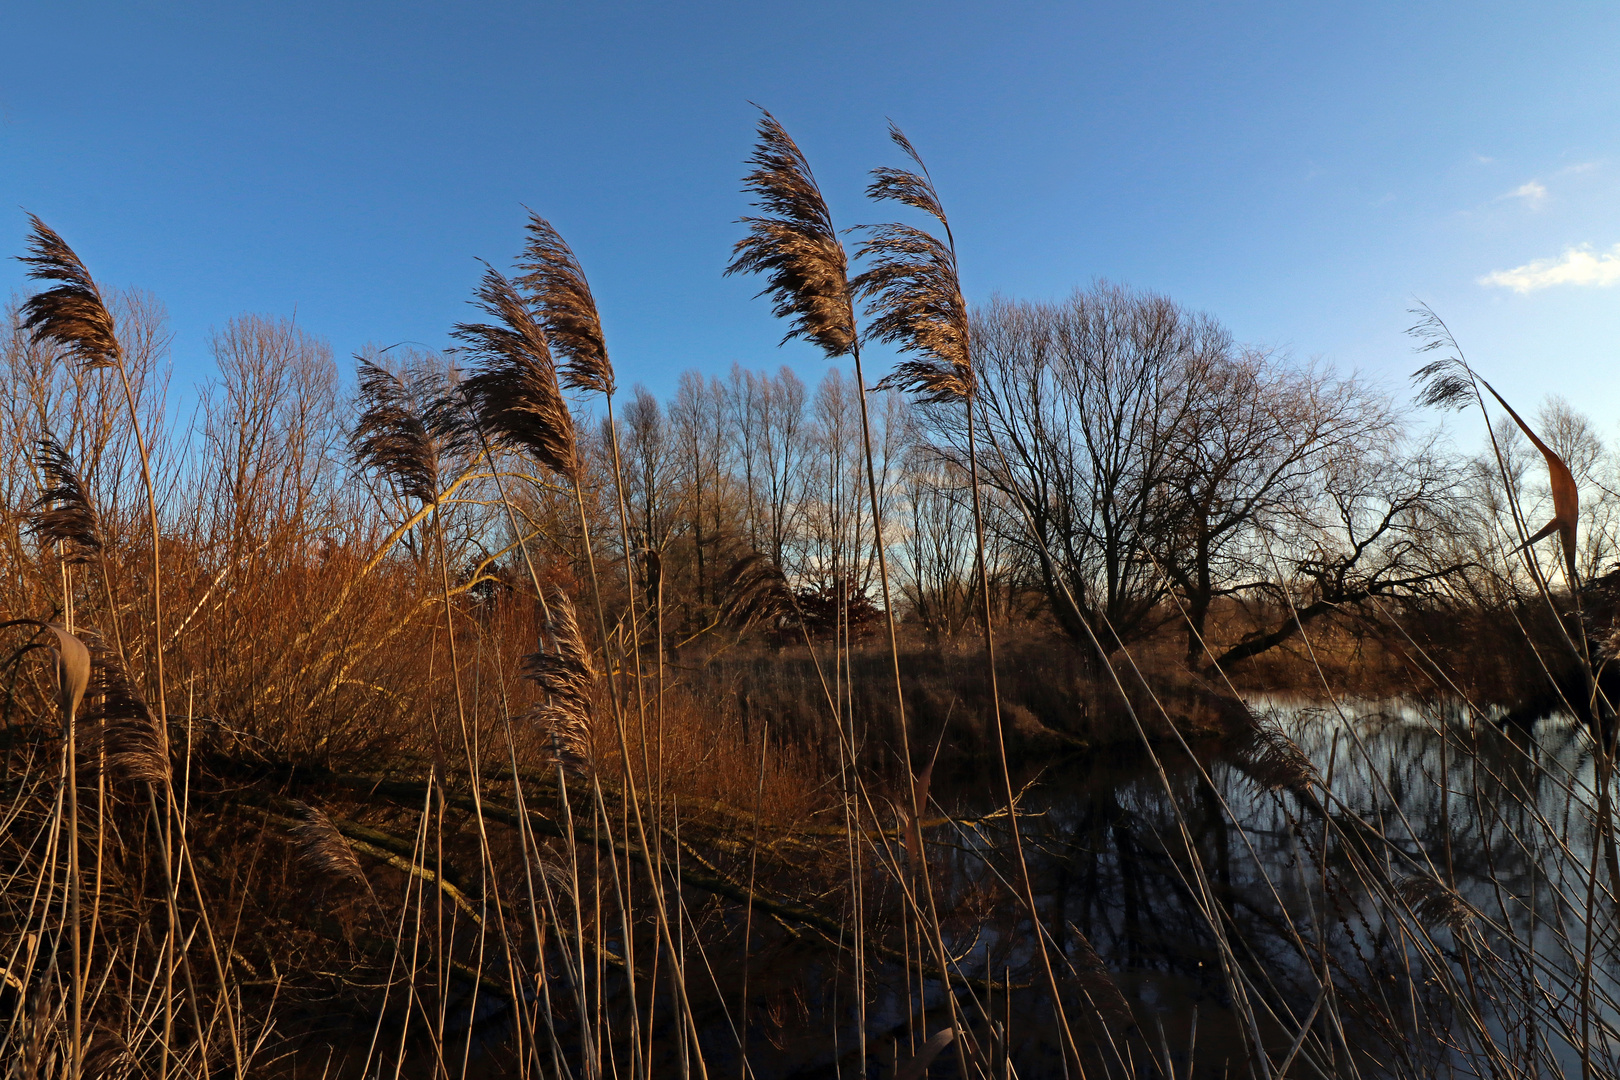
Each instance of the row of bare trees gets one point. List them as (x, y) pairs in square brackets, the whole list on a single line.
[(1140, 470)]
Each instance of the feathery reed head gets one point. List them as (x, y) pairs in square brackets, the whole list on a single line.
[(106, 1053), (323, 848), (902, 185), (72, 313), (72, 670), (1447, 382), (795, 245), (513, 391), (393, 435), (1435, 903), (915, 290), (567, 677), (556, 287), (1274, 761), (755, 588), (1097, 984), (136, 747), (63, 513)]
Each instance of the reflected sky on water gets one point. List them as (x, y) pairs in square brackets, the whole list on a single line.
[(1424, 903)]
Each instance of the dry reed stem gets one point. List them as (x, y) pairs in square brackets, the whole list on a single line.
[(915, 292), (807, 278)]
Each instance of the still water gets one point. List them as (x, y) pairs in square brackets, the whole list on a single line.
[(1423, 897), (1428, 905)]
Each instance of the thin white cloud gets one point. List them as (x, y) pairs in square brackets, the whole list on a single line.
[(1576, 266), (1533, 192)]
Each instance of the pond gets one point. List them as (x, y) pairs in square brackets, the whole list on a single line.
[(1427, 905)]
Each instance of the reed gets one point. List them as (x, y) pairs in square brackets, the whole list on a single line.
[(915, 290), (806, 270)]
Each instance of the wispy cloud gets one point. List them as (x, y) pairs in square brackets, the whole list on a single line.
[(1576, 266), (1533, 192)]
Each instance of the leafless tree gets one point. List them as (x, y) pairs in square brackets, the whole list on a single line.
[(937, 556), (784, 443), (1252, 447), (697, 415), (650, 482), (1080, 401), (1377, 538)]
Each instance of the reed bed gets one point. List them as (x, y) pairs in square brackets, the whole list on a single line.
[(444, 729)]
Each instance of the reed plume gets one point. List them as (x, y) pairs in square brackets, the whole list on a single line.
[(1274, 761), (72, 662), (323, 848), (914, 288), (1435, 903), (567, 677), (1451, 383), (755, 588), (64, 513), (72, 314), (513, 389), (556, 288), (795, 245), (131, 734), (72, 671), (394, 435), (1097, 983)]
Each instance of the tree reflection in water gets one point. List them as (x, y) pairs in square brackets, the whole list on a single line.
[(1431, 906)]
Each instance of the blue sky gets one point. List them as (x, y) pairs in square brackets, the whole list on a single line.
[(1302, 171)]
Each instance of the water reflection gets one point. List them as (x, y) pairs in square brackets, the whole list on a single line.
[(1430, 907)]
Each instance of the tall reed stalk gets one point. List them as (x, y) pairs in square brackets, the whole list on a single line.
[(517, 397), (915, 291), (73, 316), (807, 278)]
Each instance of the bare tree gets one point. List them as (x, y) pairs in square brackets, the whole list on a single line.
[(1377, 538), (648, 458), (698, 419), (784, 442), (937, 556), (1080, 400), (832, 552), (270, 426), (1252, 447)]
